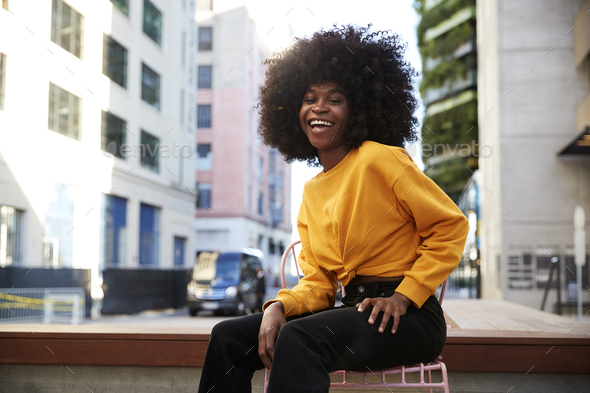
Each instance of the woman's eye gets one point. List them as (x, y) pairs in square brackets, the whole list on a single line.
[(309, 100), (335, 101)]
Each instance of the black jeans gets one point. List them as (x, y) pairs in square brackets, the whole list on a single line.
[(310, 346)]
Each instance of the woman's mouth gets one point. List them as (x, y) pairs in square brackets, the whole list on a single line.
[(320, 125)]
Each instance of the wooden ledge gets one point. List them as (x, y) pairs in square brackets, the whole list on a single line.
[(103, 346), (485, 336)]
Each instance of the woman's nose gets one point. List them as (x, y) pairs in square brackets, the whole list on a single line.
[(320, 107)]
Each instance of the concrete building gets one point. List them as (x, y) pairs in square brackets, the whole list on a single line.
[(96, 158), (534, 106), (243, 186)]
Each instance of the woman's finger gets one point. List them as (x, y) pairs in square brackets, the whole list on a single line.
[(395, 322), (366, 303), (384, 320), (262, 351), (374, 312)]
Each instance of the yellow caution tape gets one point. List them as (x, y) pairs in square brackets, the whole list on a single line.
[(21, 302)]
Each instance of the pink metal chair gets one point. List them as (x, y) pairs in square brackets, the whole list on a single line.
[(402, 370)]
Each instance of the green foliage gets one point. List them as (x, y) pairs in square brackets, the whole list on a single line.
[(437, 14), (452, 175), (449, 42), (454, 68), (454, 126), (457, 130)]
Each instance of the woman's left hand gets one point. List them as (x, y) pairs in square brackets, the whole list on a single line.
[(395, 306)]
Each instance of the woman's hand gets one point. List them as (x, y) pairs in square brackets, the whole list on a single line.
[(272, 321), (395, 306)]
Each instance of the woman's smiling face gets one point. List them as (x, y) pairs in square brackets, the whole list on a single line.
[(323, 115)]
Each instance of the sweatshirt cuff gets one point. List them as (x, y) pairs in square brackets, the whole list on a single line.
[(289, 303), (417, 293)]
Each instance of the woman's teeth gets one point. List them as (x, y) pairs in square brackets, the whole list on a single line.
[(321, 122)]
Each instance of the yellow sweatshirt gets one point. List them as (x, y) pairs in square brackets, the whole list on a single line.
[(374, 214)]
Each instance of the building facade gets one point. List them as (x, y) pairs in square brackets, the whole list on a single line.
[(534, 106), (447, 43), (97, 149), (243, 186)]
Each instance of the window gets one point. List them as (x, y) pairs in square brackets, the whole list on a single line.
[(11, 224), (67, 27), (260, 203), (203, 195), (179, 243), (183, 49), (259, 167), (112, 133), (520, 271), (204, 116), (204, 77), (150, 86), (58, 239), (65, 112), (204, 157), (152, 22), (2, 80), (182, 115), (113, 219), (149, 151), (114, 61), (205, 38), (149, 234), (204, 5), (122, 5)]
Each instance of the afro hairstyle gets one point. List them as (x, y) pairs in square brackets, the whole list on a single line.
[(369, 65)]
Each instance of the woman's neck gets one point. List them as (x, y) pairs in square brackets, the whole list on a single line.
[(330, 158)]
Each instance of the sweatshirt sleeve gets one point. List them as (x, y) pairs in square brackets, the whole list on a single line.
[(317, 289), (442, 227)]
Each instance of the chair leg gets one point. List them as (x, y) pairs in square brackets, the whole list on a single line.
[(429, 380), (445, 377)]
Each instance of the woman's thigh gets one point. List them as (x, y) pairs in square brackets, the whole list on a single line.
[(351, 343)]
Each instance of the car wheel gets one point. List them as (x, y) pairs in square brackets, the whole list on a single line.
[(193, 312)]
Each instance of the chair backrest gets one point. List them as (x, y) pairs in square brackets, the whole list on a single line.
[(291, 247)]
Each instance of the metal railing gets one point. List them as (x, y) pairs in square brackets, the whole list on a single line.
[(47, 304)]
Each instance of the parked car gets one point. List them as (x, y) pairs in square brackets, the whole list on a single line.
[(224, 282)]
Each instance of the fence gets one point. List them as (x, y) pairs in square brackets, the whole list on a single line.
[(48, 304)]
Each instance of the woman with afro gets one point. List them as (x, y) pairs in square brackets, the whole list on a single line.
[(343, 100)]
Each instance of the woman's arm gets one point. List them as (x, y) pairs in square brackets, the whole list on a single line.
[(441, 225), (317, 289)]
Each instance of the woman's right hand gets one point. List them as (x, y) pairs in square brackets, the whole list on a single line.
[(272, 321)]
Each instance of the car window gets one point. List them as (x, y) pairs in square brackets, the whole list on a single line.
[(250, 264), (217, 267)]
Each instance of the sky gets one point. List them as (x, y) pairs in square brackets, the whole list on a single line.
[(275, 18)]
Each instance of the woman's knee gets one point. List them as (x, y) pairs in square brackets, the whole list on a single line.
[(236, 327), (296, 334)]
